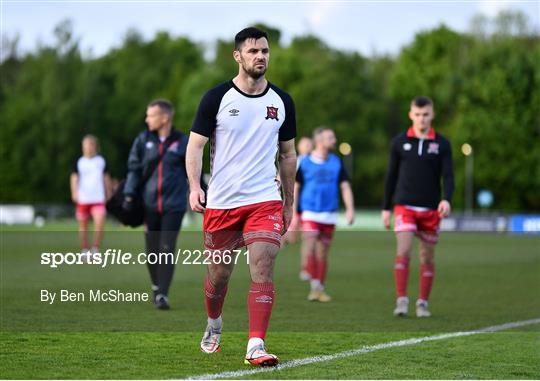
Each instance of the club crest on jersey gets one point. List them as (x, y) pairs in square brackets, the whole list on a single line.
[(407, 146), (173, 147), (433, 148), (272, 113)]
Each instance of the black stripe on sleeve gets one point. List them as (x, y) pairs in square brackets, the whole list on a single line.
[(343, 175), (447, 171), (75, 168), (287, 131), (205, 119), (299, 175), (392, 173)]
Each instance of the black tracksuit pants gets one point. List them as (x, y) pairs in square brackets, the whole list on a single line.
[(161, 231)]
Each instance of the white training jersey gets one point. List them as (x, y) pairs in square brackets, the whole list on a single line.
[(90, 172), (244, 132)]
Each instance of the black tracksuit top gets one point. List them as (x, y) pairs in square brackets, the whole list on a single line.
[(415, 170)]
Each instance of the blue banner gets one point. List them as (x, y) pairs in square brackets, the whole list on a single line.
[(529, 224)]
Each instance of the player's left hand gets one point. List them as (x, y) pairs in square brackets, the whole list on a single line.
[(287, 217), (349, 216), (444, 209), (197, 200)]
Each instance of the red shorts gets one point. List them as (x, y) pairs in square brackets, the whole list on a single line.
[(424, 223), (229, 229), (324, 232), (296, 223), (84, 211)]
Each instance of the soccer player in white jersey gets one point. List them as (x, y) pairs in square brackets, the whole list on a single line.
[(248, 122), (90, 188)]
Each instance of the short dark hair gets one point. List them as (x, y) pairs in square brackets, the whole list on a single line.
[(246, 33), (422, 101), (164, 105), (319, 130)]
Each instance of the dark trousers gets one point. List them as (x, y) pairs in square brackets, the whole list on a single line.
[(161, 231)]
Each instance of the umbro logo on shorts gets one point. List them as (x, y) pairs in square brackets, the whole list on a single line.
[(234, 112)]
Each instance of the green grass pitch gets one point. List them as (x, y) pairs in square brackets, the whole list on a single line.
[(481, 280)]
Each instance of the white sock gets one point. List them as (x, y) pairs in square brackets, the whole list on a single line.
[(315, 284), (154, 287), (254, 342), (215, 323)]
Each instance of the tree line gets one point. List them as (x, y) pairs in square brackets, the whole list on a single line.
[(485, 84)]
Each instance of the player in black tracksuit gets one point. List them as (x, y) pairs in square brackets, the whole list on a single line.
[(165, 192), (414, 174), (419, 159)]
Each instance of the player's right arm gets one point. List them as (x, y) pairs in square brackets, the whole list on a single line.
[(390, 183), (203, 127), (74, 183), (194, 154)]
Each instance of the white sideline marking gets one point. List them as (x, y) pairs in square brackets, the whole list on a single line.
[(362, 350)]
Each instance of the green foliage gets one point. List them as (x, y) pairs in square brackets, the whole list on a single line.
[(485, 86)]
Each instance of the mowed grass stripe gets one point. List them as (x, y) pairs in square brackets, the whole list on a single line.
[(365, 349)]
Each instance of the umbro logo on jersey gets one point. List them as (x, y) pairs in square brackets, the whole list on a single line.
[(234, 112), (271, 113), (407, 146)]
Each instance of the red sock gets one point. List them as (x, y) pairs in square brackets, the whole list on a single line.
[(401, 275), (311, 266), (83, 235), (213, 299), (427, 272), (260, 301), (321, 270)]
